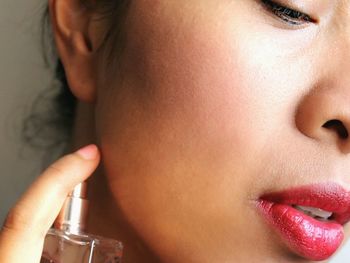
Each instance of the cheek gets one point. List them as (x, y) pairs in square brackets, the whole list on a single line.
[(186, 127), (192, 107), (198, 76)]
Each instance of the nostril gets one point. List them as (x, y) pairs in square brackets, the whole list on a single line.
[(338, 127)]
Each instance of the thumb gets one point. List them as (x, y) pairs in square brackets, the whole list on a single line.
[(23, 233)]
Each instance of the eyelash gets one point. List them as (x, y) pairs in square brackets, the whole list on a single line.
[(288, 15)]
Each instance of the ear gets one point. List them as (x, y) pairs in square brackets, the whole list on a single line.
[(76, 46)]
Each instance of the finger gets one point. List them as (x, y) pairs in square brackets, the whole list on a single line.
[(28, 221)]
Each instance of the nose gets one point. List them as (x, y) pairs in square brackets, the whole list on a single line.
[(324, 113)]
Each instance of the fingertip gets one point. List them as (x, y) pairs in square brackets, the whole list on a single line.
[(89, 152)]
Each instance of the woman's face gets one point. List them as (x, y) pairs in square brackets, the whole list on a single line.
[(218, 103)]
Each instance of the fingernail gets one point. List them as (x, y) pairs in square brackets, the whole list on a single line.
[(88, 152)]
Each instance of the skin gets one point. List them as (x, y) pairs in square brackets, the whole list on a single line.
[(214, 105), (22, 235)]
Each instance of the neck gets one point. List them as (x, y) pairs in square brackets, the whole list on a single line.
[(104, 217)]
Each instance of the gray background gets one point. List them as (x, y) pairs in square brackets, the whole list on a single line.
[(22, 77)]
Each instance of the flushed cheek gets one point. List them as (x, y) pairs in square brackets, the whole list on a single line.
[(214, 73), (207, 81), (188, 131)]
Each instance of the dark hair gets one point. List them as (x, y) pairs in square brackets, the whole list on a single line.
[(49, 124)]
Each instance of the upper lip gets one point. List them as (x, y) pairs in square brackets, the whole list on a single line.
[(330, 197)]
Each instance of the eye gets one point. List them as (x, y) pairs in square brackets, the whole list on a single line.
[(288, 15)]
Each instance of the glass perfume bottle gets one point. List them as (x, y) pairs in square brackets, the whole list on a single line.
[(67, 241)]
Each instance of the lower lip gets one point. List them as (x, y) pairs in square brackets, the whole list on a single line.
[(306, 236)]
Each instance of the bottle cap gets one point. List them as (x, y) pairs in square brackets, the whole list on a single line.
[(73, 215)]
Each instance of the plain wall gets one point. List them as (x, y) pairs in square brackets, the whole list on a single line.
[(22, 77)]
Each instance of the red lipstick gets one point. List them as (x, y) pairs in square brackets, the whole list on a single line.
[(306, 235)]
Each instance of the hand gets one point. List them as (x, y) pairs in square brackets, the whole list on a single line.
[(23, 233)]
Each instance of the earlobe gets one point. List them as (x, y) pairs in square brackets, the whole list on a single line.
[(70, 22)]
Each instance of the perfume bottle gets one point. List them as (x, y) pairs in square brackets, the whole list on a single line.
[(67, 241)]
